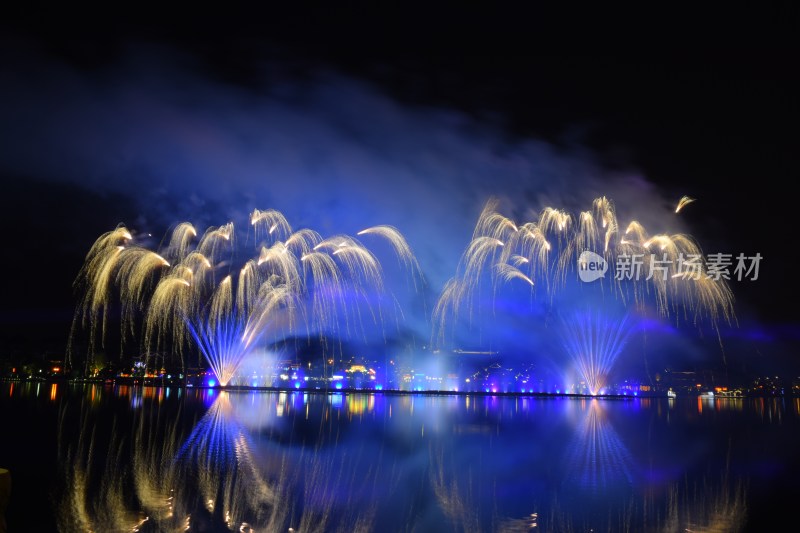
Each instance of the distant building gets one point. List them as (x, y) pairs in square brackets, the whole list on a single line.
[(768, 386), (688, 381)]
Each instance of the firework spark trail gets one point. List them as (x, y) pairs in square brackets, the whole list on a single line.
[(93, 283), (164, 325), (305, 240), (545, 251), (683, 202), (510, 272), (271, 221), (177, 294), (401, 248), (137, 266), (180, 242), (492, 224), (214, 240)]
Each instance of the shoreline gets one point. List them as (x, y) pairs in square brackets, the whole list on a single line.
[(394, 392)]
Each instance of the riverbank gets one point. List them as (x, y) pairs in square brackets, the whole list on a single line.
[(175, 383)]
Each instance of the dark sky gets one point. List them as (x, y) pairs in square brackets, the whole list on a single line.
[(152, 118)]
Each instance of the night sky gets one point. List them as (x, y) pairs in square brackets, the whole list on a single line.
[(413, 118)]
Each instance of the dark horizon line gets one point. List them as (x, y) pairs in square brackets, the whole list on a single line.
[(152, 383)]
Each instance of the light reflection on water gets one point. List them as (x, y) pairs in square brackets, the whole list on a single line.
[(154, 459), (597, 456)]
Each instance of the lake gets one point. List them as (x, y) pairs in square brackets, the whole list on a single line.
[(123, 458)]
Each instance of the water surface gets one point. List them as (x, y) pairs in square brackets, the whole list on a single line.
[(117, 458)]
